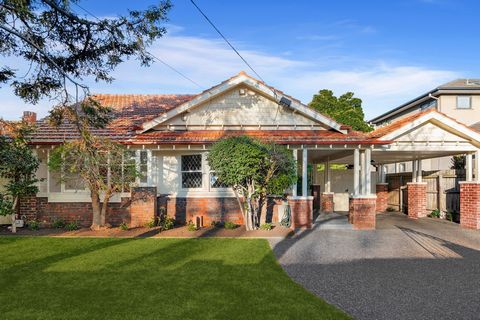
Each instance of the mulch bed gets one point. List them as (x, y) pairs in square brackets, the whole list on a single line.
[(178, 232)]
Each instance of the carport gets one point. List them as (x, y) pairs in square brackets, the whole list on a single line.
[(424, 135)]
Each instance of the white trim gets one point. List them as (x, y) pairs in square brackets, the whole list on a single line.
[(239, 79), (438, 119)]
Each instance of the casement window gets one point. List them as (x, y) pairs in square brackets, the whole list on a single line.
[(143, 166), (128, 169), (464, 102), (191, 171)]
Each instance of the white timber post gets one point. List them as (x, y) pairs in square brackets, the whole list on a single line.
[(363, 185), (368, 172), (468, 167), (414, 171), (356, 172), (304, 172), (477, 166), (294, 186), (419, 170), (327, 176)]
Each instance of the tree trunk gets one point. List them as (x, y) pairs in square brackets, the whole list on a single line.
[(97, 211), (14, 215), (241, 205)]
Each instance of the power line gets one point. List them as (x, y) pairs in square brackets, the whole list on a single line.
[(226, 40), (149, 53)]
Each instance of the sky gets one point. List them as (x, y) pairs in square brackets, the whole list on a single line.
[(386, 52)]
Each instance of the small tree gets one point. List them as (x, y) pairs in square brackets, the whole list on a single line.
[(102, 166), (18, 166), (458, 162), (254, 170)]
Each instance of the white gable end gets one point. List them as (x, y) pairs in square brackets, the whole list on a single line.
[(242, 106), (430, 132)]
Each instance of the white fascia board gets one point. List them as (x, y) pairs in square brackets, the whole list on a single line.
[(227, 86), (436, 118)]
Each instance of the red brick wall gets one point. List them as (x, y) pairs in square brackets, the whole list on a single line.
[(362, 213), (28, 207), (213, 209), (470, 205), (302, 212), (382, 197), (327, 204), (143, 208), (81, 212), (417, 199)]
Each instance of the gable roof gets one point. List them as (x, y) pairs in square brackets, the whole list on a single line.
[(398, 128), (455, 86), (255, 84)]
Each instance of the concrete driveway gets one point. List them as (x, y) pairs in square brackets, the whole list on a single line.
[(406, 269)]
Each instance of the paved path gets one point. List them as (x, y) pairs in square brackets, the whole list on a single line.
[(406, 269)]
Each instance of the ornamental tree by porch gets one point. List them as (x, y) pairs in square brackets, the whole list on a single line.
[(18, 166), (253, 169)]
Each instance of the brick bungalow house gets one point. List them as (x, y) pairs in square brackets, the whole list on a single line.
[(168, 138)]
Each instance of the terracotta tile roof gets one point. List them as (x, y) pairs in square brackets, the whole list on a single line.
[(382, 131), (278, 136), (130, 111)]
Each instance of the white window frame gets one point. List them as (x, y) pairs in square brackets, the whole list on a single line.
[(469, 102), (202, 171)]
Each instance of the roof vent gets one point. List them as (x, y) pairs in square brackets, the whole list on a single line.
[(473, 82), (285, 102)]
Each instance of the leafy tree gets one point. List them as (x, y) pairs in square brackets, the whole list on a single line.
[(101, 164), (61, 47), (458, 162), (254, 170), (18, 166), (345, 109)]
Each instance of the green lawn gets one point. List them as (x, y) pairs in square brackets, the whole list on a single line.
[(86, 278)]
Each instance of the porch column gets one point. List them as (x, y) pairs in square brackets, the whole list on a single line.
[(368, 172), (327, 205), (470, 198), (362, 173), (417, 193), (356, 172), (304, 172), (362, 205), (294, 186), (468, 167), (301, 207)]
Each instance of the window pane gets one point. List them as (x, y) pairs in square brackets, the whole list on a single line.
[(463, 102), (192, 163), (215, 183), (191, 179), (73, 182)]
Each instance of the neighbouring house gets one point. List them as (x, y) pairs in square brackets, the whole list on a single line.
[(459, 99), (168, 137)]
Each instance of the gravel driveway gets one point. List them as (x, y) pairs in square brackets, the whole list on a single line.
[(406, 269)]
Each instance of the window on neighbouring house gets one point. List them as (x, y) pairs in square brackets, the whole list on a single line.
[(192, 171), (464, 102)]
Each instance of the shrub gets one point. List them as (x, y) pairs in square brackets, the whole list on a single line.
[(229, 225), (435, 213), (58, 224), (266, 226), (123, 226), (191, 226), (151, 224), (216, 224), (33, 225), (167, 223), (72, 226)]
